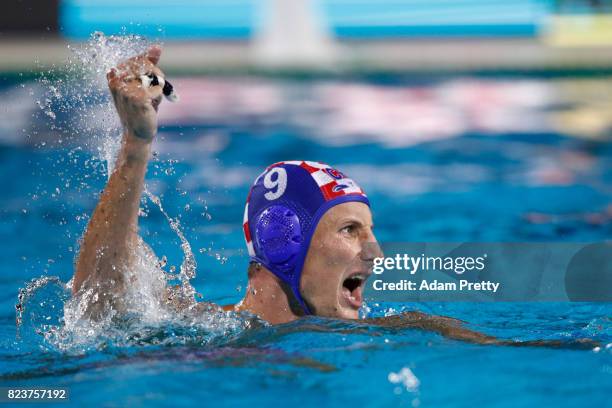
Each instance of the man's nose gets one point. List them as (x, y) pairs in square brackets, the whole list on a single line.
[(371, 249)]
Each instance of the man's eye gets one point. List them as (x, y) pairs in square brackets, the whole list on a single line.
[(349, 229)]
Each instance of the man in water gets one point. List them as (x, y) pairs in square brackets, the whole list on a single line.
[(308, 228)]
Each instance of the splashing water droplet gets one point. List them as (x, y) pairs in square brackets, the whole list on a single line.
[(79, 102), (406, 378)]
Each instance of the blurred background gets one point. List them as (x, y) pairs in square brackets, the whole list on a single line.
[(338, 34), (465, 120)]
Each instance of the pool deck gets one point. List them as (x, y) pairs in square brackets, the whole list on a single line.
[(455, 55)]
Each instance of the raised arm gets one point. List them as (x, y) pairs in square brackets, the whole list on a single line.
[(108, 245)]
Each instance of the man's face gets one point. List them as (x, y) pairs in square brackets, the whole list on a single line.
[(339, 261)]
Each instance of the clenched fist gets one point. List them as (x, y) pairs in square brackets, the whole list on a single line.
[(137, 103)]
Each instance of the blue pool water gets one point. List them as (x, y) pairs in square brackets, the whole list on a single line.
[(439, 161)]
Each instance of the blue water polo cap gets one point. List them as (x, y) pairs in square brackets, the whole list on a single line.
[(283, 209)]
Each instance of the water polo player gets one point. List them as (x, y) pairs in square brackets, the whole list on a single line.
[(308, 227)]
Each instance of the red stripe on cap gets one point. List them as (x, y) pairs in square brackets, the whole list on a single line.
[(309, 168), (328, 191), (247, 233)]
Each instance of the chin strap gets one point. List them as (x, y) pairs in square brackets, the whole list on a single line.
[(301, 301)]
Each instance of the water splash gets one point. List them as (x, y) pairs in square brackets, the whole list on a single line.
[(78, 108), (188, 266), (76, 97), (406, 378), (144, 318), (30, 290)]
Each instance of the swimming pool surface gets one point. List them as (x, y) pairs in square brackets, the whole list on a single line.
[(442, 159)]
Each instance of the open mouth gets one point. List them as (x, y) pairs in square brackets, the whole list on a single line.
[(352, 289)]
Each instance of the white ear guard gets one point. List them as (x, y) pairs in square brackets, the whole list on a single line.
[(167, 88)]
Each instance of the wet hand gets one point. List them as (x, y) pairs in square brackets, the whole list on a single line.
[(137, 102)]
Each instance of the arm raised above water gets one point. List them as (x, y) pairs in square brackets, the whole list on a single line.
[(108, 244)]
